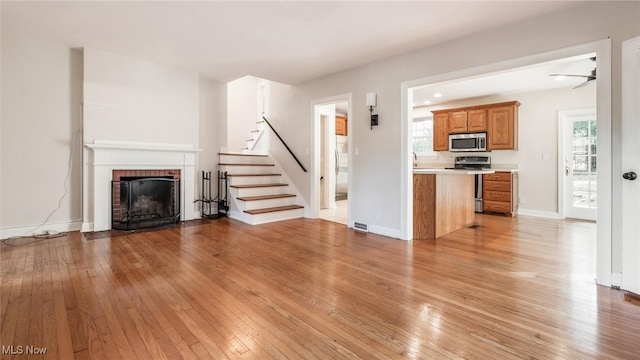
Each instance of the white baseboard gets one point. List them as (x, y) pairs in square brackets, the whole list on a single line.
[(86, 227), (538, 213), (381, 230), (29, 230), (616, 280)]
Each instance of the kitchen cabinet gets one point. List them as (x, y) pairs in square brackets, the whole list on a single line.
[(440, 131), (457, 122), (500, 193), (502, 131), (466, 121), (499, 121), (477, 120), (341, 125)]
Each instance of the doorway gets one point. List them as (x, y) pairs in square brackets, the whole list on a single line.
[(602, 51), (577, 145), (332, 156)]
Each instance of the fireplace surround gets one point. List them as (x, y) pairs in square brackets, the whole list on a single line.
[(105, 156)]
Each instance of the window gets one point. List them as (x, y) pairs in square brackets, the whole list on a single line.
[(423, 135)]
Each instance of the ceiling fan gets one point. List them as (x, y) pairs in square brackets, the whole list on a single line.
[(590, 78)]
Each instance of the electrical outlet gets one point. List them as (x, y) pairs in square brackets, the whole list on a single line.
[(521, 200), (379, 214)]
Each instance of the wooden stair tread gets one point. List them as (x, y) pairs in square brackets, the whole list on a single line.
[(241, 154), (273, 209), (248, 186), (265, 197), (254, 174), (240, 164)]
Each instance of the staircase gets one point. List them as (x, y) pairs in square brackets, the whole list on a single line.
[(257, 191)]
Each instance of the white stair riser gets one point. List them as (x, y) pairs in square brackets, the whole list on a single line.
[(277, 216), (245, 180), (239, 169), (270, 190), (262, 204), (234, 159)]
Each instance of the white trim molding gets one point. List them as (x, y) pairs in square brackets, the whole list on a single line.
[(30, 230)]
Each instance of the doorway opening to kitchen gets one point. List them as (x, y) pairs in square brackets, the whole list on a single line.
[(331, 170), (540, 137)]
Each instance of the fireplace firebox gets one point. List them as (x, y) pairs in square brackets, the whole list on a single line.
[(140, 202)]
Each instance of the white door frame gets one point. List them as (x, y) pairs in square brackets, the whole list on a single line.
[(602, 48), (314, 175), (565, 116)]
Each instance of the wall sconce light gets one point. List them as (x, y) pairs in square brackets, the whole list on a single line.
[(371, 103)]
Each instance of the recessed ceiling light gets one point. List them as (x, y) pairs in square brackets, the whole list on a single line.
[(560, 77), (437, 95), (427, 102)]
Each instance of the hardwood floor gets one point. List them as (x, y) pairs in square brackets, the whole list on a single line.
[(312, 289)]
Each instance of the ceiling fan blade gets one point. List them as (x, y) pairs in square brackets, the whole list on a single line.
[(585, 76), (584, 84)]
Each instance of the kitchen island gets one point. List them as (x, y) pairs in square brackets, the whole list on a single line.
[(443, 201)]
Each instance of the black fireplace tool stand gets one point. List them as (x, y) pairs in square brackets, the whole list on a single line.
[(221, 200)]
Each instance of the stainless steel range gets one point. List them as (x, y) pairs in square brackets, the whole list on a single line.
[(474, 163)]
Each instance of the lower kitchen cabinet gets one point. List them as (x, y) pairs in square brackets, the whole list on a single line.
[(500, 193)]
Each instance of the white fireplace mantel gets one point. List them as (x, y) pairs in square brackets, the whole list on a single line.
[(111, 155)]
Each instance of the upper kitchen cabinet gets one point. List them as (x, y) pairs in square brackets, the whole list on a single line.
[(499, 121), (341, 125), (502, 130), (440, 131), (477, 120), (457, 122), (465, 121)]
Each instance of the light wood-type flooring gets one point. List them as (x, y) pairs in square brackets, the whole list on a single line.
[(513, 288)]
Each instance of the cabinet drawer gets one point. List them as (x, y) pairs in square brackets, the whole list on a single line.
[(497, 186), (496, 206), (498, 176), (497, 195)]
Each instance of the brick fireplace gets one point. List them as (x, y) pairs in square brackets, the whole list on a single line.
[(109, 160)]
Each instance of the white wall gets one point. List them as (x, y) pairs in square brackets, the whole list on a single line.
[(41, 123), (212, 133), (377, 170), (242, 111), (135, 100), (538, 134), (285, 118)]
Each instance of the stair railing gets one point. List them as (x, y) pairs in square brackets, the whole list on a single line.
[(285, 144)]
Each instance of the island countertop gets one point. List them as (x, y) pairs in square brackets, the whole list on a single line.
[(440, 171)]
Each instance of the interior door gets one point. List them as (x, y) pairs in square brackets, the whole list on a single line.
[(630, 166), (580, 164)]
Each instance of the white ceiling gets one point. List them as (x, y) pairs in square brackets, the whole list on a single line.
[(285, 41), (514, 81)]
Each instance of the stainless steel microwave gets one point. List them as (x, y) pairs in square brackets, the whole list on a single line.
[(468, 142)]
